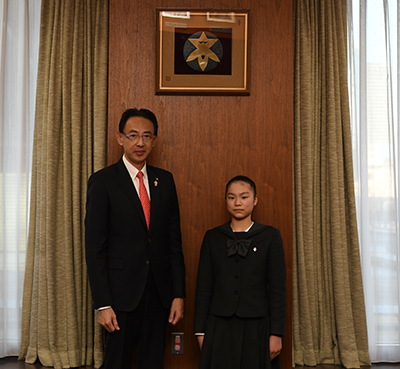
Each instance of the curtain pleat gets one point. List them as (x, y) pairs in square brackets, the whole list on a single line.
[(58, 323), (329, 324)]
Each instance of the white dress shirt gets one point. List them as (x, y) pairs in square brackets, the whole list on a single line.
[(133, 173)]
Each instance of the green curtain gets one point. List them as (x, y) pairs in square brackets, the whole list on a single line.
[(58, 322), (329, 323)]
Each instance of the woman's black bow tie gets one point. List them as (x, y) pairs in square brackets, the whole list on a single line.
[(237, 246)]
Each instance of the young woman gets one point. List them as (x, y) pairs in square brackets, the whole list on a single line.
[(240, 305)]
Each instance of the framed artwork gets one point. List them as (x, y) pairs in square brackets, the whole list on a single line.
[(202, 52)]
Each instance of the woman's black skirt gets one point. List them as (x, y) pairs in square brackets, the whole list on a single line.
[(236, 343)]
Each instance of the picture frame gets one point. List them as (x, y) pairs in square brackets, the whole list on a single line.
[(202, 51)]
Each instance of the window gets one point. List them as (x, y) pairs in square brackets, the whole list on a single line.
[(18, 73), (374, 95)]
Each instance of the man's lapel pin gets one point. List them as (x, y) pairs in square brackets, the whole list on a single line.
[(255, 249), (156, 182)]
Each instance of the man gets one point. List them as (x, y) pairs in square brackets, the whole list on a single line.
[(134, 249)]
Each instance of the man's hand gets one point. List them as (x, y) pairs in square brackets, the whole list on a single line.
[(275, 346), (200, 340), (108, 320), (177, 308)]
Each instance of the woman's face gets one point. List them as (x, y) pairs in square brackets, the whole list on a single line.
[(240, 200)]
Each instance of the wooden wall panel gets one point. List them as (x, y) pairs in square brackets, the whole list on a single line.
[(206, 140)]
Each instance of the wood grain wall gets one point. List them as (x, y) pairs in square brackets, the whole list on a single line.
[(206, 140)]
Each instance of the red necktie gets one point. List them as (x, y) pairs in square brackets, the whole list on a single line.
[(144, 198)]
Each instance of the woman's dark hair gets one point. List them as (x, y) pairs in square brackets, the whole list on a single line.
[(144, 113), (242, 179)]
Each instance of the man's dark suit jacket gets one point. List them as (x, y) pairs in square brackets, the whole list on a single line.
[(120, 249)]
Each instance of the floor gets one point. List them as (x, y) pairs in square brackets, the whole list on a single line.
[(374, 366), (13, 363)]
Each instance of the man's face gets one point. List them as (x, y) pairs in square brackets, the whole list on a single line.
[(137, 147)]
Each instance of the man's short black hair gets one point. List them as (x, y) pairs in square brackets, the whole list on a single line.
[(242, 179), (133, 112)]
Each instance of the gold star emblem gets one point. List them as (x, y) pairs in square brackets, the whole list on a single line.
[(203, 52)]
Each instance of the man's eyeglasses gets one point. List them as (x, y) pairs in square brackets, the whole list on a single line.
[(134, 137)]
